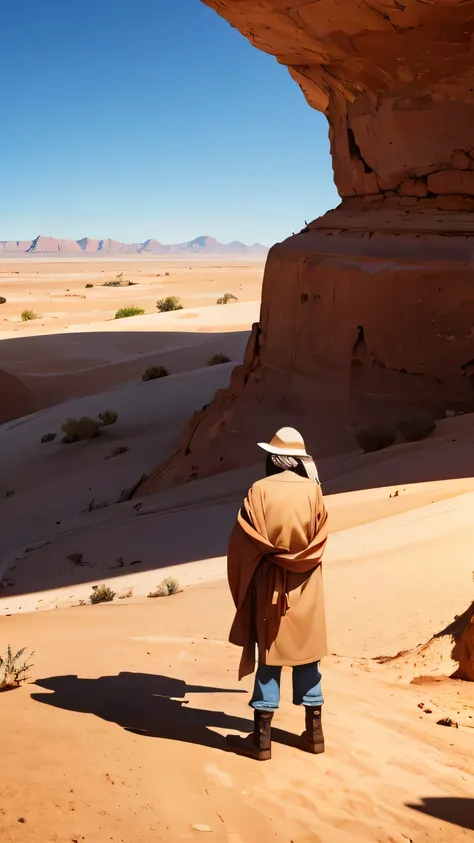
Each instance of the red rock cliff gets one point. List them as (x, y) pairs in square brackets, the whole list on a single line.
[(370, 309)]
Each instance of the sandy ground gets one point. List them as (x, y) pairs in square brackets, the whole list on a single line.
[(79, 762)]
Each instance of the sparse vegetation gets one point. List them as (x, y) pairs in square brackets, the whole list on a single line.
[(168, 304), (13, 670), (154, 372), (126, 594), (108, 417), (3, 300), (218, 359), (226, 298), (375, 438), (417, 428), (89, 286), (125, 312), (76, 558), (28, 315), (101, 594), (119, 281), (10, 494), (48, 437), (76, 430), (166, 588)]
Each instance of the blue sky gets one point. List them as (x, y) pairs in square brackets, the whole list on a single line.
[(151, 119)]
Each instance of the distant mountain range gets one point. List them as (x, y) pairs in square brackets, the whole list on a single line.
[(88, 245)]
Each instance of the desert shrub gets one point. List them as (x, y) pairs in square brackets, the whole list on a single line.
[(226, 298), (13, 670), (76, 430), (375, 438), (125, 594), (218, 359), (3, 300), (417, 428), (48, 437), (125, 312), (166, 588), (101, 594), (28, 315), (89, 286), (168, 304), (154, 372), (108, 417)]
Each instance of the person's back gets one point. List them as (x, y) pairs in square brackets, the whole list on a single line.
[(275, 576)]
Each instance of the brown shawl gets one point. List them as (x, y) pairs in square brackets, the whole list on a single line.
[(257, 569)]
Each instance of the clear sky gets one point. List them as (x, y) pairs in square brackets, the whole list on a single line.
[(151, 119)]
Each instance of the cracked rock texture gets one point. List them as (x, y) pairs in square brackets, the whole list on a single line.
[(368, 313)]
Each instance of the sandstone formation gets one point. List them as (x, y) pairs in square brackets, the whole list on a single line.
[(368, 312)]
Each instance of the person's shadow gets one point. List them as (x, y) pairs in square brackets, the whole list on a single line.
[(145, 704)]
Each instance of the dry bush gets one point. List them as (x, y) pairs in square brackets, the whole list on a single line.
[(108, 417), (417, 428), (77, 430), (126, 594), (13, 671), (226, 298), (154, 372), (101, 594), (125, 312), (89, 286), (375, 438), (3, 300), (168, 304), (28, 315), (218, 359), (166, 588)]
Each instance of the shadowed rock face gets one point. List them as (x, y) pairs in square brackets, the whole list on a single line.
[(368, 313)]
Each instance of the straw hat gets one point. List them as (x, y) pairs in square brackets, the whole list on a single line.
[(287, 442)]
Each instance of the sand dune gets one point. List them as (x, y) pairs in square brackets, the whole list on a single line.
[(398, 570)]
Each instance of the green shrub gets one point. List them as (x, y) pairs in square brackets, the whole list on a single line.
[(168, 304), (28, 315), (76, 430), (218, 359), (101, 594), (417, 428), (226, 298), (375, 438), (166, 588), (154, 372), (125, 312), (108, 417), (13, 671)]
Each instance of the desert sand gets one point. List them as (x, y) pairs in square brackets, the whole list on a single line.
[(119, 733)]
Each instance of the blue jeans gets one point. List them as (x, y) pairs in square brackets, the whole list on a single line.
[(306, 687)]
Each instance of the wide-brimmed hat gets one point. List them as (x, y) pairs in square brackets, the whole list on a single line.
[(287, 442)]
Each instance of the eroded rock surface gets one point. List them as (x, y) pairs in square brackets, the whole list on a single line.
[(368, 313)]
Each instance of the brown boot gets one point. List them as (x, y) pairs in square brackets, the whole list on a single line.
[(258, 745), (313, 738)]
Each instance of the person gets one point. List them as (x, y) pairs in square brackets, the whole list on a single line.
[(275, 578)]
